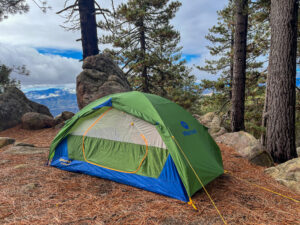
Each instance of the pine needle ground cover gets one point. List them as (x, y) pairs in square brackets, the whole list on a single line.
[(32, 193)]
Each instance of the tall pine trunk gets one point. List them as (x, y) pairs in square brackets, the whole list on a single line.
[(88, 25), (239, 66), (231, 63), (281, 93)]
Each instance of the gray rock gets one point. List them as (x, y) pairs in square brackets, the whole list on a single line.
[(65, 115), (6, 141), (101, 76), (287, 173), (248, 147), (35, 121), (213, 123), (298, 151), (25, 150), (13, 105), (59, 126)]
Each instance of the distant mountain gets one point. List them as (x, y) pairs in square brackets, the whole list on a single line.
[(57, 100)]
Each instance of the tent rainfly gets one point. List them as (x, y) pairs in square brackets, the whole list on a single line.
[(141, 140)]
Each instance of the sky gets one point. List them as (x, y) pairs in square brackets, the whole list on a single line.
[(52, 54)]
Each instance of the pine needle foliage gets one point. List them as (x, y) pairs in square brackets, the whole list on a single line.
[(145, 44)]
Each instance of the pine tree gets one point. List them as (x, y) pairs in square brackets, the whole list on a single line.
[(5, 76), (221, 37), (281, 86), (147, 46), (221, 48), (12, 7)]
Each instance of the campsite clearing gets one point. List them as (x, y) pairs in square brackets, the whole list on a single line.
[(32, 193)]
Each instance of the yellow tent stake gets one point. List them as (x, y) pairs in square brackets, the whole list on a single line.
[(261, 187), (192, 204), (212, 201)]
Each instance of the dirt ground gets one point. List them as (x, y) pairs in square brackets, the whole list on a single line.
[(33, 193)]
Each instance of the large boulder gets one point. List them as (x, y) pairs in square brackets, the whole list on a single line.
[(14, 104), (101, 76), (248, 147), (287, 173), (35, 121), (213, 122)]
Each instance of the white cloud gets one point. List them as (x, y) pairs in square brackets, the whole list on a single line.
[(193, 20), (44, 69), (36, 29)]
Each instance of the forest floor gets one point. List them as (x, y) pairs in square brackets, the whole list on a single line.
[(33, 193)]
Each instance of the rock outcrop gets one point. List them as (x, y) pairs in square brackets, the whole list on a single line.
[(101, 76), (35, 121), (14, 104), (6, 141), (248, 147), (287, 173), (213, 123)]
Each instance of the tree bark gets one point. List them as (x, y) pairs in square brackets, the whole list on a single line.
[(239, 65), (264, 119), (231, 63), (280, 136), (88, 25)]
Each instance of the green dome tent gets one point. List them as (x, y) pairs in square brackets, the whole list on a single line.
[(141, 140)]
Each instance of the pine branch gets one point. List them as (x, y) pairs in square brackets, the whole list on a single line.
[(69, 7)]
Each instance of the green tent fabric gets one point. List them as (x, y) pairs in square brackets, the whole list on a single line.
[(187, 142)]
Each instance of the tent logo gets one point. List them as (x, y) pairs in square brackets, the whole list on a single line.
[(184, 125), (187, 132)]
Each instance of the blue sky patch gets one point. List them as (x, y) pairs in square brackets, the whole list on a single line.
[(190, 57), (74, 54)]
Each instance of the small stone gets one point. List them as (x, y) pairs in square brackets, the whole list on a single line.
[(61, 118), (23, 144), (4, 161), (29, 187), (20, 166), (6, 141)]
